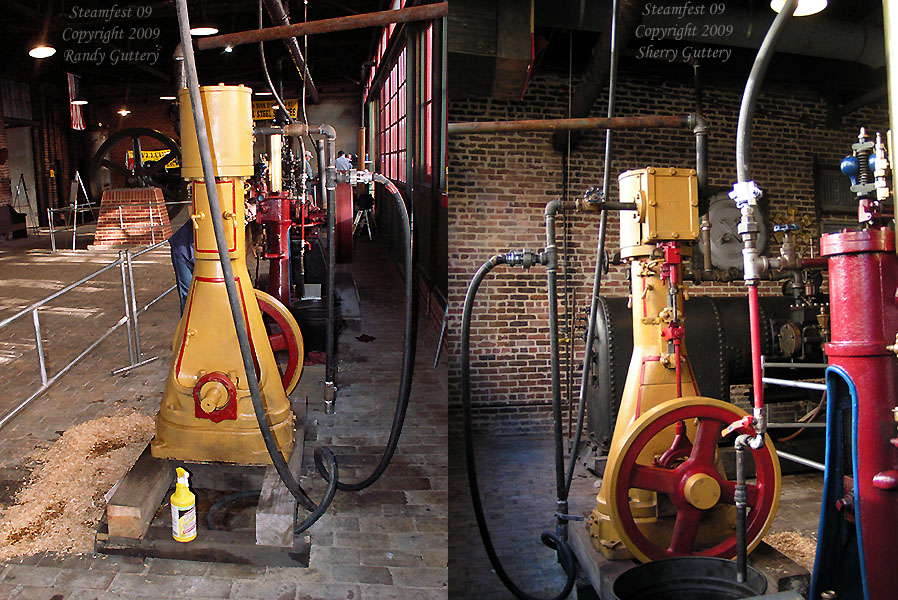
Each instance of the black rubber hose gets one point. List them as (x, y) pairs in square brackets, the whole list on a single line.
[(224, 501), (252, 380), (753, 86), (322, 454), (408, 352), (551, 539)]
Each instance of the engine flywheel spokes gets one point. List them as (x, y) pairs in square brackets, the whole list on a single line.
[(693, 495), (284, 335)]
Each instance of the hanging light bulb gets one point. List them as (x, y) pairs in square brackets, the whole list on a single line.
[(123, 111), (202, 29), (42, 50), (805, 7)]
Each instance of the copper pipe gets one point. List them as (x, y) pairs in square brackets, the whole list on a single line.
[(570, 124), (385, 17)]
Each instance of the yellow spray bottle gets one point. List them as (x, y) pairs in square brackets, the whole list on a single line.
[(183, 509)]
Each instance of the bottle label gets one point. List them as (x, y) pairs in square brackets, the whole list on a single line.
[(183, 523)]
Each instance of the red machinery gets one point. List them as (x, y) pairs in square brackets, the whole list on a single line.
[(858, 523)]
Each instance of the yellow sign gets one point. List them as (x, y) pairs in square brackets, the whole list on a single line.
[(264, 110), (152, 156)]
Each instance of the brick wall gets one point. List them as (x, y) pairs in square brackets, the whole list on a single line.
[(500, 183), (141, 221), (5, 193)]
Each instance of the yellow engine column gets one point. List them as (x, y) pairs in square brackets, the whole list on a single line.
[(667, 215), (206, 413)]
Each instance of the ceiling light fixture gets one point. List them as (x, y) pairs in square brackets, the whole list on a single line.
[(167, 98), (263, 93), (229, 49), (79, 101), (203, 29), (123, 111), (805, 7), (42, 51)]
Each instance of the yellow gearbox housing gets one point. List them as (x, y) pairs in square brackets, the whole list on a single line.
[(206, 414)]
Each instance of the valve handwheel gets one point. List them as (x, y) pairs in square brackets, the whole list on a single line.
[(284, 335), (694, 487)]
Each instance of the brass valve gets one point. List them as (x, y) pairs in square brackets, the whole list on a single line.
[(894, 347), (196, 218)]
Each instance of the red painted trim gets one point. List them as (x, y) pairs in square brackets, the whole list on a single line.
[(233, 246)]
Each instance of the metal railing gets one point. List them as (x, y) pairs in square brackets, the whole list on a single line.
[(129, 320), (806, 385), (156, 222)]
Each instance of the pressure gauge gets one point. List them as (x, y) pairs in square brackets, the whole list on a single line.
[(726, 243)]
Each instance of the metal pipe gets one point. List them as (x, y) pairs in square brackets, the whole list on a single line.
[(659, 122), (134, 312), (778, 365), (121, 253), (805, 385), (134, 366), (8, 416), (551, 261), (39, 346), (279, 15), (600, 251), (375, 19), (330, 386), (801, 460), (740, 498), (700, 129), (55, 295), (796, 425)]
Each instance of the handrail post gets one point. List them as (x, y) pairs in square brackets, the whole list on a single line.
[(134, 311), (127, 307), (39, 346), (52, 231)]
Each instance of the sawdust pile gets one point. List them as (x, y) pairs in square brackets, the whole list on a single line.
[(799, 548), (62, 502)]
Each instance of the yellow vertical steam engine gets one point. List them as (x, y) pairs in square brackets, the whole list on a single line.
[(206, 413), (664, 492)]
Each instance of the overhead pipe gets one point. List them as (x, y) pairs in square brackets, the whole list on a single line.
[(621, 28), (651, 122), (375, 19), (278, 14)]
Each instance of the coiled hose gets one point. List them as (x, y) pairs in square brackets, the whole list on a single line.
[(324, 457), (549, 538), (408, 355)]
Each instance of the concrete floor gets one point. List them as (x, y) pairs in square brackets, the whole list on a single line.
[(389, 541), (517, 483)]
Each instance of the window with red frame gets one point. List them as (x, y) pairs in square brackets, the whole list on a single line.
[(392, 122)]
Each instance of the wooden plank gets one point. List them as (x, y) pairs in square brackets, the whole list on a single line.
[(783, 574), (237, 547), (276, 510), (601, 572), (138, 496)]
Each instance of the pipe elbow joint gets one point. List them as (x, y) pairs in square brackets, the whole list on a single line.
[(327, 131), (698, 123)]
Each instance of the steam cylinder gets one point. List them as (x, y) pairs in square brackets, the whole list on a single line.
[(206, 413)]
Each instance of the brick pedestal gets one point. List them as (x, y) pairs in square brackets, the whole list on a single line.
[(132, 217)]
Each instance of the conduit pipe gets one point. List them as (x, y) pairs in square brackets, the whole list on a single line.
[(375, 19), (652, 122)]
